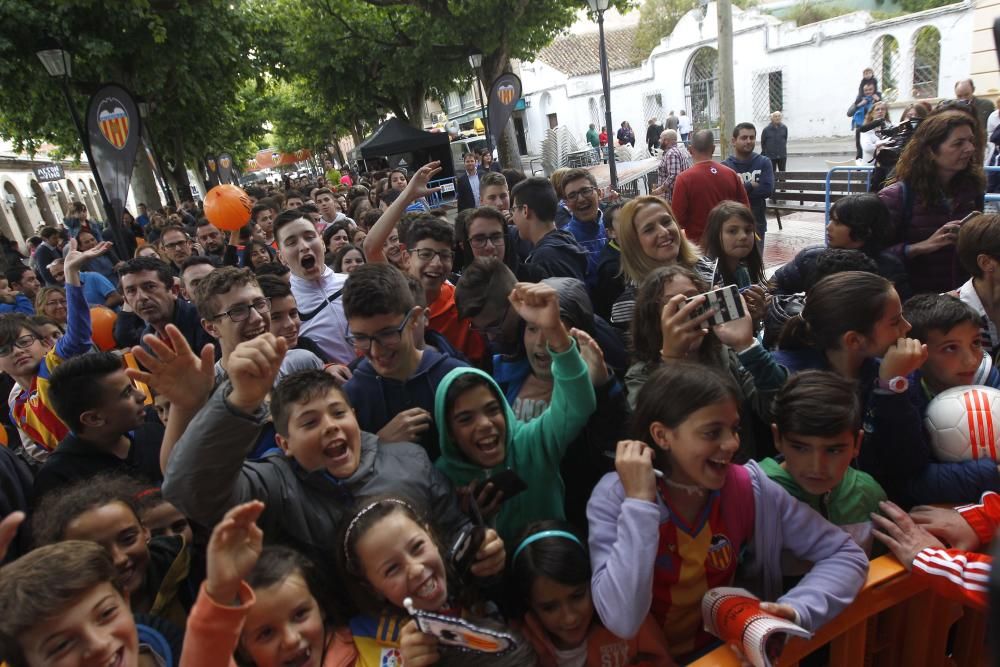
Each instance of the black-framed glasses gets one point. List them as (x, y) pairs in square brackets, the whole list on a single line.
[(385, 338), (480, 240), (427, 254), (176, 244), (494, 328), (582, 192), (21, 343), (242, 311)]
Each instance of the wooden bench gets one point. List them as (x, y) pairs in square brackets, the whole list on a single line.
[(807, 190)]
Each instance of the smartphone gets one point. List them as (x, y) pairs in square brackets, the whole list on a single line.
[(969, 217), (463, 550), (725, 302), (509, 482)]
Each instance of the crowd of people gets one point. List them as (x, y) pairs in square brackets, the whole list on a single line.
[(355, 410)]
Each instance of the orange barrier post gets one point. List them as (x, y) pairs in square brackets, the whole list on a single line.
[(141, 386), (894, 622)]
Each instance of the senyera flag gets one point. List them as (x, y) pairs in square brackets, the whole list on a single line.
[(504, 94), (114, 131)]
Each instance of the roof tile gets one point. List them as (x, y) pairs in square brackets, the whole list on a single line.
[(577, 55)]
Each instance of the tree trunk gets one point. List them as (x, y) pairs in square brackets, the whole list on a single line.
[(510, 156), (179, 173), (144, 183)]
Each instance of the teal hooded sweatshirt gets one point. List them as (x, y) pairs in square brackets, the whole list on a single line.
[(533, 449)]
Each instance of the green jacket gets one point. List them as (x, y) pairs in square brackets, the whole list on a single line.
[(593, 138), (848, 505), (534, 449)]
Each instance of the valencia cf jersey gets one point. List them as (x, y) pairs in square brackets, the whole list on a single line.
[(690, 560)]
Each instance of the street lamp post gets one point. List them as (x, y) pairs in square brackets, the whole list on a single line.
[(599, 7), (59, 65), (476, 63)]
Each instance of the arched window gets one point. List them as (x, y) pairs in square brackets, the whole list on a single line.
[(886, 63), (700, 88), (926, 62), (595, 112)]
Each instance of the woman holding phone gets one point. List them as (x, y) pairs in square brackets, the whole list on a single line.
[(939, 181)]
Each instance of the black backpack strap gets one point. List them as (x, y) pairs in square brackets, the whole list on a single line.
[(305, 317)]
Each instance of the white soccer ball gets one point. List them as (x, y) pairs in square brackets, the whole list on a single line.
[(964, 423)]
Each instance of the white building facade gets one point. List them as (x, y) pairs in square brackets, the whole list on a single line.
[(810, 73)]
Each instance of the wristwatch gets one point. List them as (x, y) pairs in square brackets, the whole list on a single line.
[(896, 385)]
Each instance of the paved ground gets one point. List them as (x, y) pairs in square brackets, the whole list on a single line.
[(800, 230)]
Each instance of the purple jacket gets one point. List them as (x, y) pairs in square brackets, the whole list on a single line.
[(938, 271), (624, 539)]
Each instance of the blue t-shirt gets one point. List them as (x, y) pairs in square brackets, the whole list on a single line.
[(96, 287)]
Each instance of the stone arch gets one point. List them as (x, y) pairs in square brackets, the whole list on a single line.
[(701, 88), (17, 206), (42, 201)]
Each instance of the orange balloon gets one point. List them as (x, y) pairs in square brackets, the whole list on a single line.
[(227, 207), (102, 323)]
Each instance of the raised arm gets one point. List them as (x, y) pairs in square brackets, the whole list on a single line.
[(78, 329), (382, 229)]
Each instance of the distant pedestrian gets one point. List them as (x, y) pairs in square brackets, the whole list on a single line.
[(684, 126), (774, 142), (965, 93), (603, 140), (863, 103), (594, 139), (625, 134), (675, 160), (653, 130), (671, 121)]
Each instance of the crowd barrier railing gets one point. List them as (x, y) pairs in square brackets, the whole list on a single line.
[(895, 621)]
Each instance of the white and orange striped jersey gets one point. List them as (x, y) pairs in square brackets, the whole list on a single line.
[(963, 575)]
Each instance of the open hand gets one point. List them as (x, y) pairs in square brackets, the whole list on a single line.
[(233, 551), (593, 355), (898, 531), (417, 187), (174, 370), (947, 525)]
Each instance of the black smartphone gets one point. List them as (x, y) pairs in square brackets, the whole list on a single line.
[(725, 302), (463, 550), (509, 482)]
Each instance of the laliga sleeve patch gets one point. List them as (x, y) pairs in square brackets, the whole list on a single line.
[(459, 634)]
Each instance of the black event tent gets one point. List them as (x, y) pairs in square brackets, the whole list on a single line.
[(396, 140)]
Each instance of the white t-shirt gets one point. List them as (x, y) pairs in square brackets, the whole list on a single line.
[(684, 124), (329, 325)]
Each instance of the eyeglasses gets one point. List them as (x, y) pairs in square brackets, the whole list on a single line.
[(582, 192), (427, 254), (242, 311), (385, 338), (22, 343), (176, 244), (480, 240)]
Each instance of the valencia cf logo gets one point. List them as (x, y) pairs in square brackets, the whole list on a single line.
[(211, 165), (506, 94), (113, 121), (720, 553), (224, 162), (390, 657)]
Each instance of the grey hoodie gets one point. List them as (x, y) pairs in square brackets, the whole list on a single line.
[(207, 475)]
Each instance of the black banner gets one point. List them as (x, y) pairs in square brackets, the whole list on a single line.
[(49, 172), (213, 171), (504, 94), (225, 168), (114, 131)]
